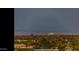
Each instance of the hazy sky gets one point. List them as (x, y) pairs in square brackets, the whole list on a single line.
[(46, 20)]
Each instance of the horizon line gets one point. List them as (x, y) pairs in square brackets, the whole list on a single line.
[(46, 33)]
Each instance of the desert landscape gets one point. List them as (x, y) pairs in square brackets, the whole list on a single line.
[(50, 42)]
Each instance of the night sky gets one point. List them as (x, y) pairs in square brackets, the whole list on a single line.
[(46, 20)]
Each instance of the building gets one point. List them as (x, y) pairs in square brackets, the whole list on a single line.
[(50, 33)]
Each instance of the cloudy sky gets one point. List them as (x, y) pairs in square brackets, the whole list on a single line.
[(46, 20)]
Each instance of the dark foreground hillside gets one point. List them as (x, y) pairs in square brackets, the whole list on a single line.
[(46, 43)]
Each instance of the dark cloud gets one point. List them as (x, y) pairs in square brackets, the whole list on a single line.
[(46, 20)]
